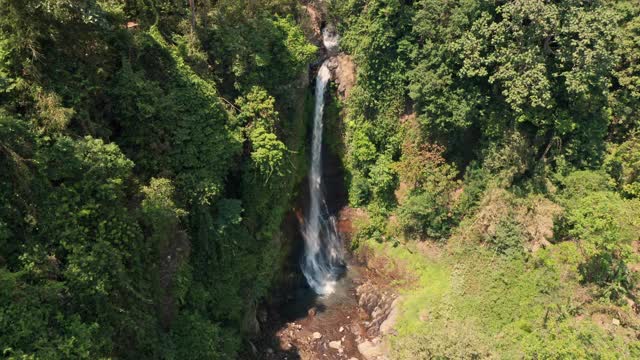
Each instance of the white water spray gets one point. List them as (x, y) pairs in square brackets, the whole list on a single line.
[(323, 259), (330, 40)]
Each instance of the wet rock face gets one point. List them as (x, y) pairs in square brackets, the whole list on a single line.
[(372, 350), (312, 24), (378, 304), (331, 40), (325, 36), (343, 73)]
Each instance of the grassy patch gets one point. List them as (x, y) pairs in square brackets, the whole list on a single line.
[(471, 303)]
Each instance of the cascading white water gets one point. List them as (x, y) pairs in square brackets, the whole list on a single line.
[(323, 259)]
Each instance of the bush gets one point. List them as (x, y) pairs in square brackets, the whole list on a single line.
[(623, 164), (475, 183), (610, 273), (580, 183), (509, 159), (384, 181), (359, 191), (508, 237), (425, 210), (606, 224), (605, 221), (425, 214), (197, 338)]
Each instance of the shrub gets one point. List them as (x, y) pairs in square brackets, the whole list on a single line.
[(197, 338), (359, 193), (509, 159), (606, 224), (623, 164), (475, 183), (426, 210), (580, 183), (384, 181), (508, 237), (425, 214)]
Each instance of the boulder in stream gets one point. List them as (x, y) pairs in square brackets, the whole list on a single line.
[(372, 350), (335, 344)]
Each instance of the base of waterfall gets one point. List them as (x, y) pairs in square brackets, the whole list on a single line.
[(351, 323), (326, 288)]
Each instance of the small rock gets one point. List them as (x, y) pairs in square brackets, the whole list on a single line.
[(371, 349), (312, 312), (269, 351), (335, 344), (388, 324), (317, 335), (615, 322), (341, 329)]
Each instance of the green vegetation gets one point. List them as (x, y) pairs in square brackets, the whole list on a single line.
[(150, 149), (143, 162), (506, 134), (472, 304)]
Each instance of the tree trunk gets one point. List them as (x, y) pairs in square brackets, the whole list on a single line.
[(192, 5)]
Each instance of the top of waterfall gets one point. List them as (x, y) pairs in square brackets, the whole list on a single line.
[(330, 39), (324, 74)]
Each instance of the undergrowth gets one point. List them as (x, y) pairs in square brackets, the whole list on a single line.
[(470, 303)]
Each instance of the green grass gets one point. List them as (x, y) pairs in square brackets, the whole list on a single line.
[(471, 303)]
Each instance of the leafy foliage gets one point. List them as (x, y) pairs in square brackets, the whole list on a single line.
[(149, 155), (623, 164), (133, 222), (512, 126), (606, 224)]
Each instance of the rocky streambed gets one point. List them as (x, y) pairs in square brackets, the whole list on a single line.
[(351, 323)]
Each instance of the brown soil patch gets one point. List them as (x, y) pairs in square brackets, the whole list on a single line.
[(311, 23), (537, 220), (429, 249), (345, 75)]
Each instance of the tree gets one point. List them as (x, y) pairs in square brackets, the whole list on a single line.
[(606, 224)]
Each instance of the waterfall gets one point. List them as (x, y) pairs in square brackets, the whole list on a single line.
[(323, 259)]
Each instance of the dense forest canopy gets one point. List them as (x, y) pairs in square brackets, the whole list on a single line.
[(149, 150), (144, 157), (522, 91), (508, 129)]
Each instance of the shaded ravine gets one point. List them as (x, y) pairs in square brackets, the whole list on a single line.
[(327, 304), (318, 318), (323, 263)]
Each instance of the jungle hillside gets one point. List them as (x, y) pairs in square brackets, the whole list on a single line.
[(153, 154)]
